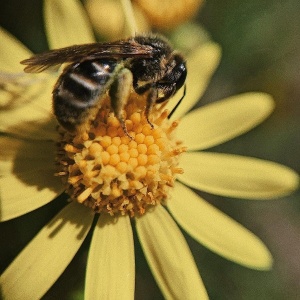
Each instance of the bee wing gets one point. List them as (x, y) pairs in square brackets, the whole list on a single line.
[(78, 53), (17, 79)]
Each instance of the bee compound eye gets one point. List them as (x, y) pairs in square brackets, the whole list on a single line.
[(182, 73)]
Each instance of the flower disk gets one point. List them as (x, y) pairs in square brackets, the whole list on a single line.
[(108, 171)]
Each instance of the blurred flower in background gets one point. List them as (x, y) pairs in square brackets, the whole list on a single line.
[(113, 28), (150, 15), (227, 175), (167, 15)]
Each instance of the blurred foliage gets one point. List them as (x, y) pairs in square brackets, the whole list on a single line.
[(261, 52)]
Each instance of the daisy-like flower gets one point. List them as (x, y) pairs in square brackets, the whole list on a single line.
[(170, 14), (105, 26), (129, 182)]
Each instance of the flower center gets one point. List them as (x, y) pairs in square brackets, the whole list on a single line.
[(106, 170)]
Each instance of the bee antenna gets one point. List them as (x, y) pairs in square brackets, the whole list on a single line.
[(178, 103)]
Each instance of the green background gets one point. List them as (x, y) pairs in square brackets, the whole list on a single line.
[(261, 52)]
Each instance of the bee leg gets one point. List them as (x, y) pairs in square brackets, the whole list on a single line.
[(119, 93), (151, 100)]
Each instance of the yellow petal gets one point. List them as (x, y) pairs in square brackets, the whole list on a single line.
[(169, 256), (110, 271), (30, 113), (25, 155), (27, 178), (66, 23), (43, 260), (224, 120), (112, 25), (17, 198), (201, 65), (237, 176), (11, 53), (217, 231)]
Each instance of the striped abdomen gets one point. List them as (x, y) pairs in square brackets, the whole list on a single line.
[(80, 86)]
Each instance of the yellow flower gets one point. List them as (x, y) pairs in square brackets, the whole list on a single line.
[(113, 28), (170, 14), (27, 182)]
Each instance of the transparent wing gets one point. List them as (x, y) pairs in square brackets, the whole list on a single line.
[(79, 53)]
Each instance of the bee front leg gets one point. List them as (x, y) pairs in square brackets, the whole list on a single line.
[(151, 100), (119, 93)]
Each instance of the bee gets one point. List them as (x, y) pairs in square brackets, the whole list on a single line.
[(146, 64)]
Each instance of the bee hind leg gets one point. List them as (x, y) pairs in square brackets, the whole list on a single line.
[(119, 93)]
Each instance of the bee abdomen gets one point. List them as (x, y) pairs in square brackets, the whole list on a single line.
[(79, 87), (83, 83)]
